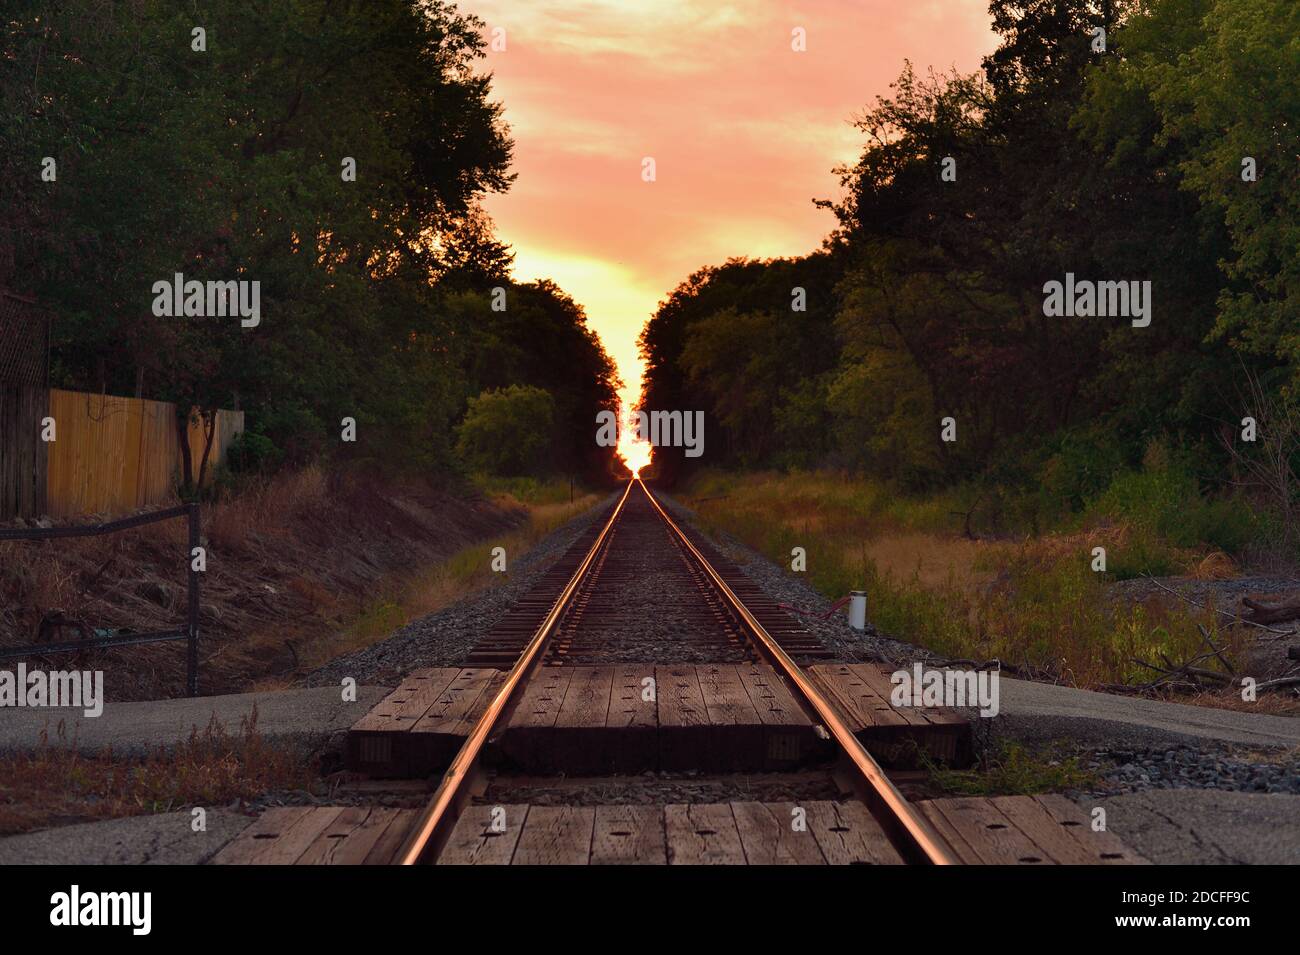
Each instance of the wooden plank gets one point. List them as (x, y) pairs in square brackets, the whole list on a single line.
[(632, 721), (1102, 847), (894, 735), (848, 834), (772, 700), (627, 704), (556, 835), (529, 739), (685, 737), (279, 837), (702, 834), (539, 705), (350, 837), (457, 707), (988, 831), (878, 678), (293, 843), (383, 742), (1052, 839), (385, 849), (955, 839), (769, 835), (401, 709), (681, 703), (629, 835), (583, 744), (726, 701), (858, 700), (254, 838), (738, 734), (587, 700), (475, 841)]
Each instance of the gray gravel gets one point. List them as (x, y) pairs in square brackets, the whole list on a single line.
[(1224, 593), (1226, 768), (444, 638), (650, 789)]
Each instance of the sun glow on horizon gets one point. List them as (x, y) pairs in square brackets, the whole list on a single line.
[(635, 450)]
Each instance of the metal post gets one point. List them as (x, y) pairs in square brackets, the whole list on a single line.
[(192, 654), (858, 609)]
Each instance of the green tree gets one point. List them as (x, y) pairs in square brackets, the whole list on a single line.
[(508, 431)]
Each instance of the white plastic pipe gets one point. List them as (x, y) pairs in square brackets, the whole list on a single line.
[(858, 609)]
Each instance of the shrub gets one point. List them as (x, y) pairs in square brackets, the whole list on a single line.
[(252, 452), (507, 432)]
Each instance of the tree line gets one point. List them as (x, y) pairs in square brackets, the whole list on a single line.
[(334, 151), (1151, 141)]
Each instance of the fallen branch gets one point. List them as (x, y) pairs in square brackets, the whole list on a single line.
[(1233, 616), (1276, 613), (1205, 635)]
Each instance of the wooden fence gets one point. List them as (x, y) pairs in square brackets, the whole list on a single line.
[(110, 455), (23, 475)]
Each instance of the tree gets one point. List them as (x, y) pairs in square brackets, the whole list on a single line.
[(508, 431), (227, 164)]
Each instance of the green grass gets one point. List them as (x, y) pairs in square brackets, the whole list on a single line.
[(1013, 770), (530, 490)]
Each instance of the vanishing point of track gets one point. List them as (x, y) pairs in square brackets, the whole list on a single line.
[(592, 615)]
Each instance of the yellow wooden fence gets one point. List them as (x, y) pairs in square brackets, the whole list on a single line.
[(111, 455)]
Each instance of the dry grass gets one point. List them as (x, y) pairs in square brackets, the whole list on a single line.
[(443, 583), (56, 785), (266, 504), (1034, 603), (292, 559)]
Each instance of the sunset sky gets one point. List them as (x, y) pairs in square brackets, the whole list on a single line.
[(743, 130)]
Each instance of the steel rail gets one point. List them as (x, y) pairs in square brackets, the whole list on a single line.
[(917, 834), (432, 827)]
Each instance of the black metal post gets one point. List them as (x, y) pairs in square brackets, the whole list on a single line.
[(192, 655)]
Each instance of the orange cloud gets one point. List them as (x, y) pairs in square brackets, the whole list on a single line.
[(744, 132)]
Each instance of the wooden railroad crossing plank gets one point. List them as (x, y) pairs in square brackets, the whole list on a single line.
[(703, 834), (582, 742), (629, 835), (592, 720), (454, 711), (738, 735), (1024, 830), (319, 835), (556, 835), (530, 736), (1006, 830), (628, 705), (1102, 847), (685, 740), (861, 692), (771, 835), (416, 729), (630, 742), (848, 834), (787, 731), (485, 835)]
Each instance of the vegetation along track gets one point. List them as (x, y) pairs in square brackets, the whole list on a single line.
[(644, 592)]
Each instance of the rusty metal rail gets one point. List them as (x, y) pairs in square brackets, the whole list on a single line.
[(912, 835), (430, 830)]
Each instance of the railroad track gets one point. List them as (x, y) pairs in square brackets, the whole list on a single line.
[(645, 702), (595, 616)]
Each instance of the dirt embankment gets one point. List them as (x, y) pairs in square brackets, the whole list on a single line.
[(291, 561)]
